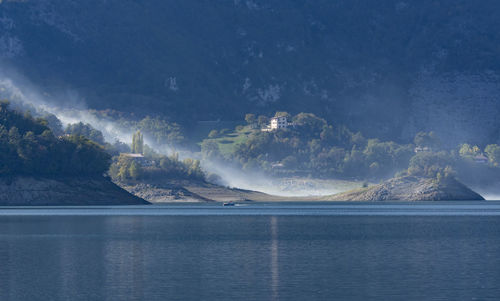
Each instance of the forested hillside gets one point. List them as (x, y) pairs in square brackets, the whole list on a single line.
[(386, 68), (28, 147)]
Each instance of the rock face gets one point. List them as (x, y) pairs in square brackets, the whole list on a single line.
[(411, 188), (33, 191)]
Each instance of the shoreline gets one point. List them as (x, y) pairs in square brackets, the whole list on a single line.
[(396, 189)]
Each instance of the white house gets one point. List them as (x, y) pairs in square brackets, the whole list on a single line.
[(279, 123), (420, 149)]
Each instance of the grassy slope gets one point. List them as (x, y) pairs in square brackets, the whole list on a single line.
[(229, 141)]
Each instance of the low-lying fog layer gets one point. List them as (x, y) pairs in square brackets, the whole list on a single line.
[(259, 181), (22, 93), (26, 95), (69, 108), (488, 195)]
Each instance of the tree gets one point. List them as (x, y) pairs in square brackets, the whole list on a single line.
[(493, 152), (123, 173), (213, 134), (4, 105), (135, 170), (210, 149), (86, 130), (113, 172), (28, 146), (87, 156), (250, 118), (54, 124), (429, 165), (14, 136), (193, 168), (466, 150), (263, 120), (327, 135), (309, 124), (423, 139), (162, 131), (137, 143), (282, 114)]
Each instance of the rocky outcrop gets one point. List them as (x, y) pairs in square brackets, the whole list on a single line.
[(36, 191), (410, 188)]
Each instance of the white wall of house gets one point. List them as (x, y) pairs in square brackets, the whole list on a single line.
[(279, 123)]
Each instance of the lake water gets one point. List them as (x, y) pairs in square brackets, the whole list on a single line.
[(344, 251)]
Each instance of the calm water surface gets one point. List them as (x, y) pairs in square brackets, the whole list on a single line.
[(344, 251)]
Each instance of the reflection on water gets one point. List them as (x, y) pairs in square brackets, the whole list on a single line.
[(226, 257), (473, 208), (124, 260), (275, 273)]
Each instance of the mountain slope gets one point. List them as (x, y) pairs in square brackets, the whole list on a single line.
[(369, 64)]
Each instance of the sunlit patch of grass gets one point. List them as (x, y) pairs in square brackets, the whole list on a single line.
[(230, 141)]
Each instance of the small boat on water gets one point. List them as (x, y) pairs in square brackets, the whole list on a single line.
[(226, 204)]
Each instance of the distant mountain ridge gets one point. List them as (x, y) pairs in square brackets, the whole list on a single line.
[(387, 68)]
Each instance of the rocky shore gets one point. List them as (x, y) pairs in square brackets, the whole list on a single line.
[(63, 191), (410, 188), (197, 191)]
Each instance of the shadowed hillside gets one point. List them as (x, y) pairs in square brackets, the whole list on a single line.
[(376, 66)]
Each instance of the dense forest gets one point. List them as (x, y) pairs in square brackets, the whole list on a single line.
[(28, 147), (310, 146)]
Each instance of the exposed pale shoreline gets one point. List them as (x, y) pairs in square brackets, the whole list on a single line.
[(398, 189), (35, 191), (186, 191)]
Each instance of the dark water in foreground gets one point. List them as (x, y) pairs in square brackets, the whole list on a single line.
[(256, 252)]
